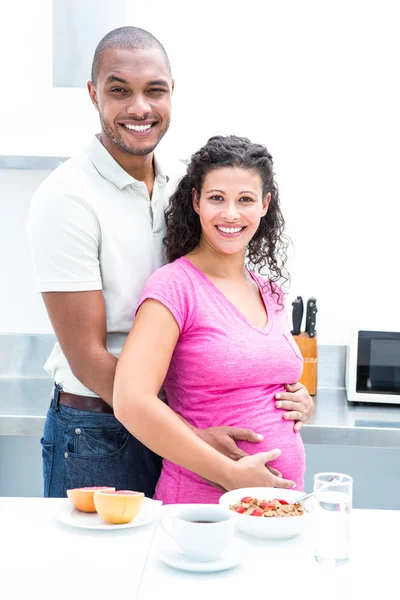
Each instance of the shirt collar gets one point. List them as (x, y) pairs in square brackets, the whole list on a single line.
[(108, 167)]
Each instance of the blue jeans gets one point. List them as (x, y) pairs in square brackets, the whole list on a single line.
[(82, 449)]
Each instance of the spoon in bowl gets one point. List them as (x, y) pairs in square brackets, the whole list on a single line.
[(306, 496)]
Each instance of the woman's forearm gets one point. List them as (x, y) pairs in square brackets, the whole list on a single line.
[(160, 429)]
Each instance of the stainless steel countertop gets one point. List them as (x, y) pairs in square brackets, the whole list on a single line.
[(335, 422), (24, 402)]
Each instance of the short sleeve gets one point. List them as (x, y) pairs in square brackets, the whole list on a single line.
[(64, 238), (172, 287)]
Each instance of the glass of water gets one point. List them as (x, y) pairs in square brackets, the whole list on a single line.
[(333, 493)]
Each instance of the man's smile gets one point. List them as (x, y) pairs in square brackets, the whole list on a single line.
[(136, 128)]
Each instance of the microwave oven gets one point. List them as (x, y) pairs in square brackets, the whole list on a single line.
[(373, 366)]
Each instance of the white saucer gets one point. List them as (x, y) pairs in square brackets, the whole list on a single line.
[(169, 553), (70, 516)]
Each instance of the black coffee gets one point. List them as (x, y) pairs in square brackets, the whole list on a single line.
[(204, 521)]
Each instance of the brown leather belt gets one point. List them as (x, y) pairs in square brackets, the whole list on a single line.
[(84, 402)]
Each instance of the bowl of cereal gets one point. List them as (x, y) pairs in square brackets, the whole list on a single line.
[(267, 513)]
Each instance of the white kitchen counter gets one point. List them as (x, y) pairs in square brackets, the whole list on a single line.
[(40, 557)]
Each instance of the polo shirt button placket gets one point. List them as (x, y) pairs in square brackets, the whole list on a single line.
[(158, 221)]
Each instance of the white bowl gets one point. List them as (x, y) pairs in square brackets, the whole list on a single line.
[(272, 528)]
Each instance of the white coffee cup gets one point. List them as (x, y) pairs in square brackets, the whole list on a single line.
[(202, 531)]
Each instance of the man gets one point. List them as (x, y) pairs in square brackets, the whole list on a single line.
[(96, 229)]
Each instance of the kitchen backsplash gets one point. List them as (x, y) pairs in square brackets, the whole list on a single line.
[(23, 355)]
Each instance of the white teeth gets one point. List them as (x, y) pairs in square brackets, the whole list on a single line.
[(138, 127), (229, 229)]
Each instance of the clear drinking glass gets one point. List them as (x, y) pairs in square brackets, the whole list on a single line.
[(333, 493)]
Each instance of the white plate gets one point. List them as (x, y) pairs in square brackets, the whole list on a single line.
[(169, 553), (71, 516)]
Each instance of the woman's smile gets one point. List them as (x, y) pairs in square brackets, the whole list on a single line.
[(228, 231)]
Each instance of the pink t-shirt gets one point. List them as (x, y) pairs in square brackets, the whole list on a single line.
[(225, 372)]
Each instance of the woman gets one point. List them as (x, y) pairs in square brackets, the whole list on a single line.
[(215, 331)]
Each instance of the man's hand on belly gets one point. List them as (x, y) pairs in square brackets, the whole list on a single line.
[(223, 439)]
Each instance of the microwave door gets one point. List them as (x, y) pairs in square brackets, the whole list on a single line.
[(378, 364), (385, 366)]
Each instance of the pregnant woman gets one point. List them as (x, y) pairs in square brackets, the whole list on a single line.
[(213, 330)]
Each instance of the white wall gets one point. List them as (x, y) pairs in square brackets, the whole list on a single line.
[(317, 82), (36, 118), (21, 307)]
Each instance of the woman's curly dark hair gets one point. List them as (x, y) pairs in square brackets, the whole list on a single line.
[(268, 247)]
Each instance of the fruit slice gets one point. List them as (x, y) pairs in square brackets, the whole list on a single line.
[(82, 498), (118, 507), (257, 512)]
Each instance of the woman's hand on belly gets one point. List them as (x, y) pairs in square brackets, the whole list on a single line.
[(251, 471), (224, 440), (297, 402), (254, 471)]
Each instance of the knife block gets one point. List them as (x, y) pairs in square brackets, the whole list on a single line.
[(309, 350)]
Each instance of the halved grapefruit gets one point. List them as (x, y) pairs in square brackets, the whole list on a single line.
[(82, 498), (118, 507)]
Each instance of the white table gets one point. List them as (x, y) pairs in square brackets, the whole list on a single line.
[(41, 558)]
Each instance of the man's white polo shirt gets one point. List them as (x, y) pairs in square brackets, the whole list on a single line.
[(92, 226)]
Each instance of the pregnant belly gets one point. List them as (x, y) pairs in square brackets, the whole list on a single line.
[(264, 418), (178, 485)]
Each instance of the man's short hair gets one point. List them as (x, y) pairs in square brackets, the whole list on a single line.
[(125, 38)]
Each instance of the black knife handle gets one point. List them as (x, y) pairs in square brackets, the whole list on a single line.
[(311, 314), (297, 315)]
